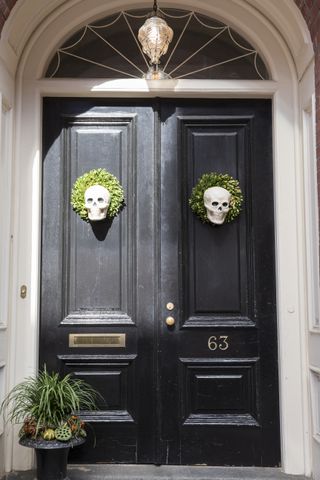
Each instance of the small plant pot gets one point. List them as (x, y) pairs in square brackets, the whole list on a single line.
[(52, 456)]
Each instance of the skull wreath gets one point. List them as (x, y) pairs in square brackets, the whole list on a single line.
[(97, 200), (97, 195), (217, 203), (216, 199)]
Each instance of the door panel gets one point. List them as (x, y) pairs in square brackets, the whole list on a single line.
[(205, 390), (215, 260), (90, 275), (95, 279), (221, 280)]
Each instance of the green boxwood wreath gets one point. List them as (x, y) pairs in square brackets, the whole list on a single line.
[(98, 176), (214, 179)]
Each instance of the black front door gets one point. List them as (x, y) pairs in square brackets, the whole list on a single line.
[(203, 391)]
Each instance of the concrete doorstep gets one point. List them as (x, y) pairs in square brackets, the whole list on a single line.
[(152, 472)]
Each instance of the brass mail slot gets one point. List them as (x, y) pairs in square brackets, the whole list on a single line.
[(96, 340)]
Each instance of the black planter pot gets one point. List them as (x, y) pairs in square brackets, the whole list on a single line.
[(52, 456)]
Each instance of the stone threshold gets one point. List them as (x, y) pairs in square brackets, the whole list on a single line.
[(163, 472)]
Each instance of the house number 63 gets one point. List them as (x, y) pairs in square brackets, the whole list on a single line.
[(220, 342)]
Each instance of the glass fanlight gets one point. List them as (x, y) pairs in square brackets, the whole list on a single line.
[(110, 49), (155, 36)]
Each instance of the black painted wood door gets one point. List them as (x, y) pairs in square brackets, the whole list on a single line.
[(205, 390)]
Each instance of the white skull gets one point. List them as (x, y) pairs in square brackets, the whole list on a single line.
[(97, 201), (217, 203)]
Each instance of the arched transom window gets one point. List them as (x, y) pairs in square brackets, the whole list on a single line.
[(202, 48)]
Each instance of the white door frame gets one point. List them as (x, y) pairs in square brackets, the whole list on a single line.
[(293, 303)]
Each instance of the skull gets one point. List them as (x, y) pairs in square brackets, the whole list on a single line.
[(97, 201), (217, 203)]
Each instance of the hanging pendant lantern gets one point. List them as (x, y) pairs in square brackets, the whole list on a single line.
[(155, 36)]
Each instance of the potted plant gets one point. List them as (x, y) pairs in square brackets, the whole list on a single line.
[(48, 407)]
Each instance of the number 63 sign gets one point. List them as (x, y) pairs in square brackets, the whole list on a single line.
[(219, 342)]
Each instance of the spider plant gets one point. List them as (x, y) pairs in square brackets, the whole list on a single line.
[(47, 401)]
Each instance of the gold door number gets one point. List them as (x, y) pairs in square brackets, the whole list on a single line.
[(218, 342)]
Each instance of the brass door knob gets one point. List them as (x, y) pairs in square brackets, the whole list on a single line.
[(170, 321)]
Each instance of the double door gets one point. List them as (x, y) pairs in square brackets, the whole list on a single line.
[(204, 390)]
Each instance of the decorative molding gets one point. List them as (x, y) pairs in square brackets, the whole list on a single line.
[(22, 23), (226, 321), (192, 131), (114, 368), (151, 88), (226, 420), (112, 416), (79, 130), (96, 318), (219, 374), (78, 357)]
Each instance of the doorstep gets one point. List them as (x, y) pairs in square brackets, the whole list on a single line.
[(164, 472)]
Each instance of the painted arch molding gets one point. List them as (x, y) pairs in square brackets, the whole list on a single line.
[(30, 18), (276, 29)]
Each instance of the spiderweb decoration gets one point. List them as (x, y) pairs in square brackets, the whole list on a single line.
[(201, 48)]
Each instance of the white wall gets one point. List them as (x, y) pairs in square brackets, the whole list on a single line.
[(6, 238), (311, 326)]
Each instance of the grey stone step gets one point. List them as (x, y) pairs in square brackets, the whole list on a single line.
[(152, 472)]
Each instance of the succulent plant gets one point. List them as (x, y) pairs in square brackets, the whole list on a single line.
[(49, 434), (47, 403), (76, 426), (29, 428), (63, 433)]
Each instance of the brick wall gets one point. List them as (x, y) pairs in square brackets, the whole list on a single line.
[(5, 8)]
